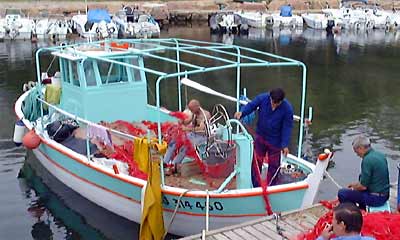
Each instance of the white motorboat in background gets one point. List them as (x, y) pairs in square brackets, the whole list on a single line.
[(137, 24), (228, 22), (377, 18), (254, 19), (395, 20), (316, 20), (96, 24), (53, 27), (16, 25), (284, 19)]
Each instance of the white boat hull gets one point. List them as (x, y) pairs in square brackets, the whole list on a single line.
[(315, 21)]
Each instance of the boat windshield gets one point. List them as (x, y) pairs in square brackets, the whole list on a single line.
[(14, 12)]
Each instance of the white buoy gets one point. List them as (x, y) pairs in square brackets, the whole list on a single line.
[(19, 131), (56, 79)]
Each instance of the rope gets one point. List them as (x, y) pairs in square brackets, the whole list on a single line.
[(333, 180), (279, 230), (175, 211), (51, 63), (263, 186), (30, 106), (276, 174)]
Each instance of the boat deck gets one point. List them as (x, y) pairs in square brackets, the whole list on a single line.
[(290, 224)]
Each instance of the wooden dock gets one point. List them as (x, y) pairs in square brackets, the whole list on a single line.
[(289, 225)]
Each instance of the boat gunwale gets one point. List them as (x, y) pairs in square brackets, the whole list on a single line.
[(237, 193)]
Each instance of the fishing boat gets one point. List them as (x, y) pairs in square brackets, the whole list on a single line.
[(103, 85)]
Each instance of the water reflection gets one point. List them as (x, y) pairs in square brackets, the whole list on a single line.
[(351, 85), (313, 38), (61, 213)]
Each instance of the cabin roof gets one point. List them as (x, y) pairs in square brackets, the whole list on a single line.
[(224, 56)]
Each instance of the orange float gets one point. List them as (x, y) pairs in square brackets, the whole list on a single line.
[(31, 140), (325, 155)]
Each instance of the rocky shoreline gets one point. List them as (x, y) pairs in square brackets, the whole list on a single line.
[(179, 10)]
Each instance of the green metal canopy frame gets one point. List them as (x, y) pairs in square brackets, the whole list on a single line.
[(207, 50)]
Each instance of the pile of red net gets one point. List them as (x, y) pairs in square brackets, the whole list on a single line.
[(381, 225), (170, 132)]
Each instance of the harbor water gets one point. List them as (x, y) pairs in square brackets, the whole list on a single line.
[(352, 87)]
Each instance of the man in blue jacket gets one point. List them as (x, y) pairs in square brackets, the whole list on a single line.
[(274, 128)]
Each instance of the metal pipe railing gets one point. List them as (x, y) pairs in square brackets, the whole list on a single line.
[(121, 134)]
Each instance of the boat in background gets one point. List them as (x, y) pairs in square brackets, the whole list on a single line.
[(96, 24), (395, 20), (254, 19), (315, 20), (284, 19), (97, 84), (227, 22), (16, 25), (136, 24), (51, 27), (377, 18)]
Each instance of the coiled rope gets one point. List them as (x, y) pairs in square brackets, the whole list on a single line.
[(31, 105)]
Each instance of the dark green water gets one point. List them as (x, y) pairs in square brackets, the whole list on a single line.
[(353, 86)]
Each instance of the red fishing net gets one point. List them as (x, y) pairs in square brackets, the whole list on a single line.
[(381, 225), (170, 132)]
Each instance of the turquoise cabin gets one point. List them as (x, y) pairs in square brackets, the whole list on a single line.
[(104, 87)]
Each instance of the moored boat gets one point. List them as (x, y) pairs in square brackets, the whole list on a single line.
[(254, 19), (17, 25), (284, 19), (104, 87), (315, 20), (96, 24), (227, 22)]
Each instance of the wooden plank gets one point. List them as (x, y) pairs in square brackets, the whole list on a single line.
[(210, 237), (310, 219), (219, 236), (267, 231), (306, 221), (301, 226), (272, 227), (254, 232), (285, 228), (244, 234), (296, 225), (232, 235)]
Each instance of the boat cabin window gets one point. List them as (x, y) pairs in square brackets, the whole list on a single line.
[(90, 74), (135, 72), (65, 71), (73, 72), (111, 73)]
